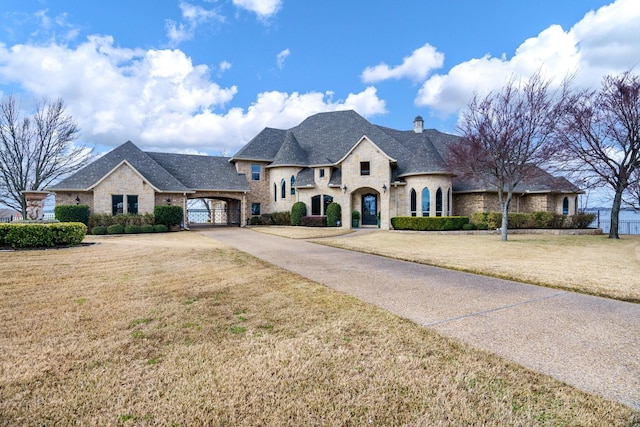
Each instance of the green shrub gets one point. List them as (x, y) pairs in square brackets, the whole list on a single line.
[(34, 235), (355, 215), (334, 214), (539, 219), (482, 226), (298, 210), (582, 220), (99, 230), (72, 213), (281, 218), (106, 220), (429, 223), (147, 228), (132, 229), (255, 220), (115, 229), (469, 226), (168, 215), (160, 228), (4, 229)]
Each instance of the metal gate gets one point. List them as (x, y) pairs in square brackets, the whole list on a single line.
[(218, 216)]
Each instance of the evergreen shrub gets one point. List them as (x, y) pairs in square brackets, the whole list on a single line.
[(115, 229), (334, 214), (72, 213), (298, 210), (429, 223)]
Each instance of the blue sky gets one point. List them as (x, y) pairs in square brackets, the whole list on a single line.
[(205, 76)]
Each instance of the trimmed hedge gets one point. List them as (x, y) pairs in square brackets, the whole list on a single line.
[(34, 235), (99, 230), (334, 214), (132, 229), (160, 228), (72, 213), (298, 210), (115, 229), (429, 223), (168, 215), (314, 221), (539, 219), (106, 220), (147, 228)]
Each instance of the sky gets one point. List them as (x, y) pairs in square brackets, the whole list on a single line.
[(205, 76)]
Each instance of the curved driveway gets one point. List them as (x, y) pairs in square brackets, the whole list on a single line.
[(589, 342)]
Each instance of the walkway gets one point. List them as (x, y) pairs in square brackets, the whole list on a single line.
[(591, 343)]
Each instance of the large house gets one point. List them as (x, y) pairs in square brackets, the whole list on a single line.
[(329, 157)]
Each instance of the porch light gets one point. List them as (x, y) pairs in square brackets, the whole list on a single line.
[(77, 200), (384, 187), (344, 188), (168, 201)]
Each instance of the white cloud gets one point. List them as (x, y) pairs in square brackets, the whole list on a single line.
[(603, 42), (263, 8), (193, 16), (415, 66), (158, 98), (281, 57)]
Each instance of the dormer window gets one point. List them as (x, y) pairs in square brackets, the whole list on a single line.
[(321, 173), (365, 168)]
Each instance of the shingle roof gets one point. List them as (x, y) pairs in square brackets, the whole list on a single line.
[(165, 172), (91, 174), (326, 138), (202, 172), (538, 182)]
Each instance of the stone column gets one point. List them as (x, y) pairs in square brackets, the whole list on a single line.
[(35, 204)]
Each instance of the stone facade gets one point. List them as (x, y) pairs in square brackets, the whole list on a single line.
[(123, 181)]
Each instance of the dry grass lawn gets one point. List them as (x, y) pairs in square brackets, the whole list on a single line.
[(177, 329), (590, 264)]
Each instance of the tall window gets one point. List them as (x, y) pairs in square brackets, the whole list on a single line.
[(293, 181), (321, 173), (414, 203), (132, 204), (315, 205), (438, 202), (365, 168), (426, 201), (117, 204), (565, 206), (255, 172), (283, 189), (275, 192)]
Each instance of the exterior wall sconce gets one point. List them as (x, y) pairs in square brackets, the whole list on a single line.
[(344, 189), (169, 202), (77, 200), (384, 187)]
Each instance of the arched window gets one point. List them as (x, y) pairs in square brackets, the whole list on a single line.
[(293, 181), (414, 203), (275, 192), (565, 206), (438, 202), (426, 201), (283, 189)]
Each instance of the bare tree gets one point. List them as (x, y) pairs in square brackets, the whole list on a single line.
[(36, 150), (508, 136), (602, 131)]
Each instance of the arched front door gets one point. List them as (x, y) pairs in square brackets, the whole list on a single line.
[(369, 209)]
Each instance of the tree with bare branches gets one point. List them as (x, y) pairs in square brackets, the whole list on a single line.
[(36, 150), (602, 131), (508, 136)]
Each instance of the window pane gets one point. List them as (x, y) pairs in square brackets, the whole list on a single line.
[(315, 205), (132, 204), (426, 202), (255, 172), (365, 168), (255, 208), (116, 204), (293, 181), (283, 189)]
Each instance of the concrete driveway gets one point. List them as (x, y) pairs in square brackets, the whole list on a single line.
[(589, 342)]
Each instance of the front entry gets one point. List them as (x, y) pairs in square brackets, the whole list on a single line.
[(369, 209)]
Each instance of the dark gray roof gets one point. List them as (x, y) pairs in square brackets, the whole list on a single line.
[(91, 174), (539, 181), (304, 179), (202, 172), (326, 138), (166, 172), (290, 153)]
